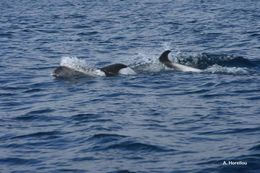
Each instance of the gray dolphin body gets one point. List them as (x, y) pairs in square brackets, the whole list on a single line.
[(66, 72)]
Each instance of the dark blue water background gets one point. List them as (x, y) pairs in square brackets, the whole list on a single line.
[(154, 121)]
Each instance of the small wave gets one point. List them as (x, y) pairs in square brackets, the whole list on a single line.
[(40, 111), (7, 94), (253, 98), (27, 117), (37, 115), (122, 171), (71, 170), (105, 141), (18, 161), (84, 117), (256, 148), (104, 137), (45, 135), (233, 131), (34, 90), (107, 135), (137, 146)]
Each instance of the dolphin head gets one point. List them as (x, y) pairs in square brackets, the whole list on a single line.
[(60, 71), (65, 72)]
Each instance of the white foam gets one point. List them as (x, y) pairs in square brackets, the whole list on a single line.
[(145, 62), (81, 66), (227, 70), (73, 62)]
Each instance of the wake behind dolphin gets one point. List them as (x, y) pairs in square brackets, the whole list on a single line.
[(205, 60)]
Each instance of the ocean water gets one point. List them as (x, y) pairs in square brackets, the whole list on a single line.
[(158, 120)]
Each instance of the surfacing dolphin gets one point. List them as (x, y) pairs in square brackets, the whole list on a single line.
[(110, 70), (179, 67), (113, 70), (66, 72)]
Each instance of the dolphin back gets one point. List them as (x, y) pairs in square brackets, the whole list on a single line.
[(113, 70)]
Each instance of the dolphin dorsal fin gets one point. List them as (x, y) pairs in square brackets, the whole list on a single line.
[(165, 60), (112, 70), (164, 56)]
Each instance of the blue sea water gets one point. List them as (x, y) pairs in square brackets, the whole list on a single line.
[(158, 120)]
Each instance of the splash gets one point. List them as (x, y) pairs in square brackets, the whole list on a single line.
[(145, 62), (217, 69), (80, 65)]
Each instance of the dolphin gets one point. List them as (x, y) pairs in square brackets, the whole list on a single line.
[(179, 67), (110, 70)]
